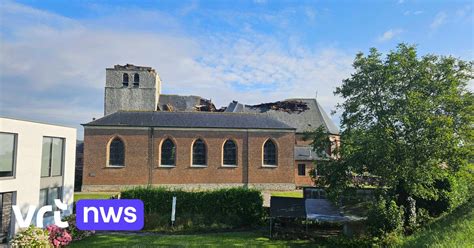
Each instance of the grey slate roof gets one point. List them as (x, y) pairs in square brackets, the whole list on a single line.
[(189, 120), (307, 120)]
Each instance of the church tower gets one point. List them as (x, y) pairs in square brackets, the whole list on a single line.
[(131, 88)]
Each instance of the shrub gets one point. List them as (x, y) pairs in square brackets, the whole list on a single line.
[(31, 237), (58, 237), (451, 192), (384, 218), (223, 208), (423, 218), (74, 231)]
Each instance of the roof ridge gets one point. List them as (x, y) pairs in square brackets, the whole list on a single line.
[(303, 98), (323, 117)]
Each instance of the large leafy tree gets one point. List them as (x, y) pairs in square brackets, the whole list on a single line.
[(406, 120)]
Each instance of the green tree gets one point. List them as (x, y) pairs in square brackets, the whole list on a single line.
[(406, 120)]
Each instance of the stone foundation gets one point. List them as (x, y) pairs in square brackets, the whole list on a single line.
[(191, 187)]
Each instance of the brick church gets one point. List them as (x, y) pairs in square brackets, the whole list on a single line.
[(149, 138)]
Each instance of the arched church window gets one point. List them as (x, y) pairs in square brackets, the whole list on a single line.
[(230, 153), (269, 153), (116, 152), (168, 153), (199, 153)]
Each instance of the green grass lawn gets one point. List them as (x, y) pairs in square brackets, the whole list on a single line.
[(231, 239), (87, 195), (453, 230), (296, 194)]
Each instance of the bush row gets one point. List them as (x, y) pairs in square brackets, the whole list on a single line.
[(449, 192), (229, 208)]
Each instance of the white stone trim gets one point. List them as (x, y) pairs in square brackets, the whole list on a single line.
[(115, 166), (198, 166), (269, 166), (167, 166), (229, 166)]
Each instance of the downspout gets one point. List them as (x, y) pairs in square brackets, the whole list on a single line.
[(151, 153), (245, 169)]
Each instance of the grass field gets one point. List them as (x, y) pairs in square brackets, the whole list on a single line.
[(296, 194), (232, 239), (86, 195), (453, 230)]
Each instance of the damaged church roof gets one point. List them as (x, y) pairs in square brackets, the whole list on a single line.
[(131, 67), (173, 103), (304, 114), (189, 120)]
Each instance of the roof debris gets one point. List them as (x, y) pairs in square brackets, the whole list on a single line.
[(168, 107), (133, 67), (205, 106), (288, 106)]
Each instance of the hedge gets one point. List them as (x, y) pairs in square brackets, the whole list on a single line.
[(217, 209)]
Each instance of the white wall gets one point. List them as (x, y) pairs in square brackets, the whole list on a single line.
[(26, 182)]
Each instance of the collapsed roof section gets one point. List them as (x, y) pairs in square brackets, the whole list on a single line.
[(289, 106), (174, 103), (304, 114)]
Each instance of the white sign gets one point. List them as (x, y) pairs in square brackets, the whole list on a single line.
[(173, 209), (22, 223)]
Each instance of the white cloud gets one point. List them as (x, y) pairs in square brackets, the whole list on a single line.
[(193, 6), (465, 11), (416, 12), (389, 34), (53, 67), (439, 20), (310, 13)]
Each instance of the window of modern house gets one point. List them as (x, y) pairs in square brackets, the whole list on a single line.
[(136, 79), (125, 79), (52, 158), (301, 170), (6, 214), (230, 153), (116, 153), (7, 154), (168, 153), (48, 195), (269, 153), (199, 153)]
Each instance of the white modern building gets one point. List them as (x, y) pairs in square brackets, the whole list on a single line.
[(36, 166)]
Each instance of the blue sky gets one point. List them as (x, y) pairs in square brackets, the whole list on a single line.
[(53, 54)]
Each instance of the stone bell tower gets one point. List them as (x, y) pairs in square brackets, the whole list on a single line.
[(131, 88)]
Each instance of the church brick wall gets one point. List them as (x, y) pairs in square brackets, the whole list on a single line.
[(249, 170)]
